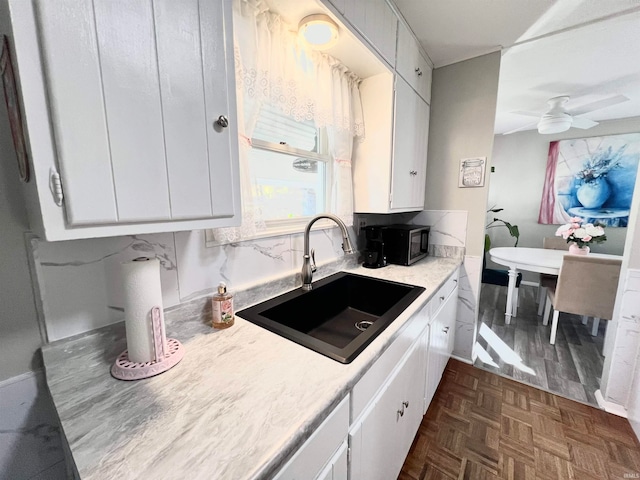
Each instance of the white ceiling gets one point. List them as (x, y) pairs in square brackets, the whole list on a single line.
[(589, 50)]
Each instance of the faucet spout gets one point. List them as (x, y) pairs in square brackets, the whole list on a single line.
[(308, 264)]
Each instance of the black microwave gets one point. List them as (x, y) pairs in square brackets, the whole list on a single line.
[(405, 244)]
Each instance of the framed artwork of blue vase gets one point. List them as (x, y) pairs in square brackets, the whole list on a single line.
[(592, 178)]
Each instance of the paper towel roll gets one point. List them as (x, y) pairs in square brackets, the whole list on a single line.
[(142, 292)]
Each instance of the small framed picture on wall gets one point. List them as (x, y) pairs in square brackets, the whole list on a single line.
[(472, 172), (13, 109)]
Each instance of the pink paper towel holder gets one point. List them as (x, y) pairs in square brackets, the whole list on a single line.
[(167, 355)]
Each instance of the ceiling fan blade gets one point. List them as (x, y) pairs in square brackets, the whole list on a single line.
[(520, 129), (593, 106), (528, 114), (583, 123)]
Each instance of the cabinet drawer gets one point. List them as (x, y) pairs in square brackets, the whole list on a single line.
[(319, 448), (444, 292), (370, 383)]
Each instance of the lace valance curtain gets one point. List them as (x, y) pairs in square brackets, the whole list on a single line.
[(273, 66)]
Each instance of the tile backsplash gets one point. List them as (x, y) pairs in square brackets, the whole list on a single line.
[(79, 280)]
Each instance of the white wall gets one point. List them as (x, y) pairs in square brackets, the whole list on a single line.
[(463, 112), (620, 384), (19, 333), (520, 161)]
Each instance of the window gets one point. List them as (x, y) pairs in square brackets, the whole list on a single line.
[(289, 165)]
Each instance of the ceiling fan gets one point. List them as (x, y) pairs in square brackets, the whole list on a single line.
[(559, 119)]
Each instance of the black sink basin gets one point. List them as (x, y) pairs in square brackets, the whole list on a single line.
[(339, 317)]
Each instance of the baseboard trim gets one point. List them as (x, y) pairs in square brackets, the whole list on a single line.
[(460, 359), (21, 378), (610, 407)]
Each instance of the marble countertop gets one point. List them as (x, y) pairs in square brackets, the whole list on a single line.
[(238, 405)]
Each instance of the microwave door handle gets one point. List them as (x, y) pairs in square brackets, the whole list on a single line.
[(424, 241)]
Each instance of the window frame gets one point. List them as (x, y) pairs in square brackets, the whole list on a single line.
[(288, 226)]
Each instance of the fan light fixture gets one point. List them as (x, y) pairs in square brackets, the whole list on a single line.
[(555, 123), (319, 31), (556, 120)]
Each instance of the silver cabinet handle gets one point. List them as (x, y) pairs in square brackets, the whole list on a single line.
[(442, 298), (418, 71), (222, 121), (413, 172), (400, 413), (445, 329)]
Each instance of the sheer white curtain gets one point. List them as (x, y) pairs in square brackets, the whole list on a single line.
[(273, 66)]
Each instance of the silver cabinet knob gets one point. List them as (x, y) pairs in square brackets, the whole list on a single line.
[(222, 121), (442, 298), (445, 329), (413, 172), (418, 71)]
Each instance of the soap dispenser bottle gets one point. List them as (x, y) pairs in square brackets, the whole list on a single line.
[(222, 307)]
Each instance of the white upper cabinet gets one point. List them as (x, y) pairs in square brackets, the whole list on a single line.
[(409, 149), (413, 67), (389, 167), (141, 101), (376, 22), (389, 164)]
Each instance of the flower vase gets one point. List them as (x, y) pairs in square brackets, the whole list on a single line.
[(574, 249), (593, 194)]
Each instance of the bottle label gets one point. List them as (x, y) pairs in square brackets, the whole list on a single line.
[(222, 311)]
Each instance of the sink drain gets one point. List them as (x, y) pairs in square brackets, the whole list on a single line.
[(363, 325)]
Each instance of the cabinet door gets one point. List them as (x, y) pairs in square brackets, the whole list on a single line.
[(413, 400), (376, 21), (337, 467), (448, 313), (410, 141), (421, 146), (441, 341), (433, 361), (323, 448), (135, 89), (381, 441), (411, 64)]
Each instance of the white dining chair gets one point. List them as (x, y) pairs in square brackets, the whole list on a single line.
[(586, 286)]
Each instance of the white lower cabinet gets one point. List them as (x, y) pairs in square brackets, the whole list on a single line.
[(441, 339), (382, 413), (323, 449), (337, 467), (382, 437)]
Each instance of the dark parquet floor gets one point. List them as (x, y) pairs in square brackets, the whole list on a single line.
[(484, 426), (571, 368)]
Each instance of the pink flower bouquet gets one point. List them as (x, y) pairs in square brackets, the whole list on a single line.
[(581, 234)]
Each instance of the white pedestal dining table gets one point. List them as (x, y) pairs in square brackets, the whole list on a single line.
[(540, 260)]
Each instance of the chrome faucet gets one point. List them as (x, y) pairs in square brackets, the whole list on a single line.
[(309, 261)]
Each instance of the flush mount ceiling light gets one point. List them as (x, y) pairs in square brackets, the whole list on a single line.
[(555, 123), (319, 31)]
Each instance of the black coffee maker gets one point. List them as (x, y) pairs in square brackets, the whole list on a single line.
[(374, 256)]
